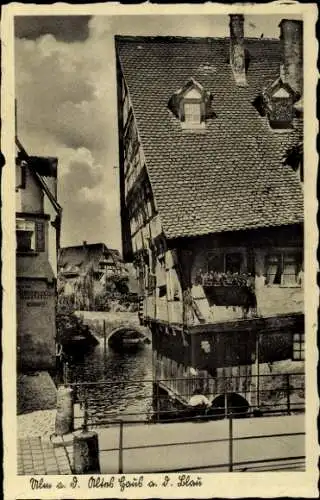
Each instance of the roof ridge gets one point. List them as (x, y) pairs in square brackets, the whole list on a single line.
[(203, 39), (82, 245)]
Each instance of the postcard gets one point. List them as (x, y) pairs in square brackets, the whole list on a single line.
[(159, 251)]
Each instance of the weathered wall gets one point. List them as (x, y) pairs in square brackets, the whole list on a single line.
[(51, 237), (31, 198), (35, 325), (216, 355), (274, 300)]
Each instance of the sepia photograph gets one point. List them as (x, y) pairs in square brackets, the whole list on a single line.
[(159, 247)]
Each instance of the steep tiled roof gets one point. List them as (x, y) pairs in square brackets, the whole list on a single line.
[(231, 175), (82, 257)]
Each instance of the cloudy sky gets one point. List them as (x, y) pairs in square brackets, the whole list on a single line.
[(66, 93)]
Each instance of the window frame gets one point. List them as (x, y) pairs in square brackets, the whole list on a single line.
[(282, 255), (192, 101), (26, 226), (38, 238), (298, 346), (223, 256)]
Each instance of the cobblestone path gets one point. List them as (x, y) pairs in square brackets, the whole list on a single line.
[(39, 456)]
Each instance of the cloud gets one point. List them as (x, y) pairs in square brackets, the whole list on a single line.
[(66, 96), (64, 28), (58, 89)]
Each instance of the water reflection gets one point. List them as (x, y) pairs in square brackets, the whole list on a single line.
[(127, 389)]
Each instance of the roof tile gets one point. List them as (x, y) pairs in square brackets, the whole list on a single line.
[(231, 176)]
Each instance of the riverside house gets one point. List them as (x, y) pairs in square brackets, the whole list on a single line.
[(84, 271), (211, 173), (38, 221)]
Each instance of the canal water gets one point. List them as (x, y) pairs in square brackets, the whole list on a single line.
[(124, 383)]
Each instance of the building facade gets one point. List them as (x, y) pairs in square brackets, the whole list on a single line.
[(84, 272), (38, 222), (211, 180)]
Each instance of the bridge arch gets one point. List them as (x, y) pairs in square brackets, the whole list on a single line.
[(117, 335), (236, 404)]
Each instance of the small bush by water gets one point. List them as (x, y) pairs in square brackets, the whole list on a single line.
[(71, 327)]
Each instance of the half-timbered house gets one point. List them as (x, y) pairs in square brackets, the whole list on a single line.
[(210, 135)]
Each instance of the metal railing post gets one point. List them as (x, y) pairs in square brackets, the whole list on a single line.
[(230, 442), (120, 471), (226, 405), (85, 414), (288, 393), (104, 338), (158, 403), (258, 370)]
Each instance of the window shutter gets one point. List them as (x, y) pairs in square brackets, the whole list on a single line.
[(202, 111), (182, 115), (40, 239)]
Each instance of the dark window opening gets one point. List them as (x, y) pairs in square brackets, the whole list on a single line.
[(162, 290), (233, 263), (30, 236), (225, 263), (25, 241)]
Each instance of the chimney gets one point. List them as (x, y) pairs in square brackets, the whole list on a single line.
[(84, 243), (292, 53), (237, 50)]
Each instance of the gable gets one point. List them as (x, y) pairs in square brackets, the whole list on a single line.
[(193, 93), (282, 92)]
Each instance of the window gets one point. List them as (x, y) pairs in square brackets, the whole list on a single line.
[(25, 233), (233, 262), (191, 104), (30, 236), (273, 274), (298, 347), (192, 112), (281, 112), (224, 263), (283, 268), (277, 102)]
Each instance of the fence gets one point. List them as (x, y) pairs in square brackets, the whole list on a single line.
[(272, 394), (223, 447), (231, 443)]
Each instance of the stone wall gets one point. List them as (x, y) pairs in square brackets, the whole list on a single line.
[(36, 331)]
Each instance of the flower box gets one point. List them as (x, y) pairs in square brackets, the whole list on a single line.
[(229, 295)]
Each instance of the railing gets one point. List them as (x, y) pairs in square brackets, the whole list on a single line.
[(287, 386), (296, 462), (259, 395)]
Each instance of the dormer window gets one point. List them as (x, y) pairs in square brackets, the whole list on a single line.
[(280, 109), (191, 105), (277, 102), (192, 112)]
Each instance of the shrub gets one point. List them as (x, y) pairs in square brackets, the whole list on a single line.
[(68, 324)]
